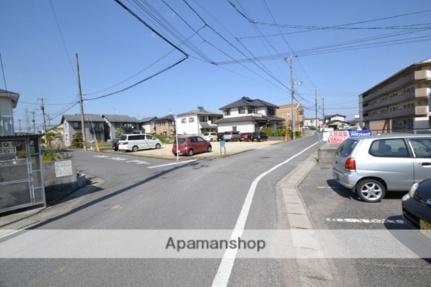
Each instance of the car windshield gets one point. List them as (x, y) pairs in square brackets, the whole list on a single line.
[(123, 138)]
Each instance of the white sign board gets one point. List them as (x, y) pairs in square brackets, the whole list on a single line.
[(7, 148), (63, 168)]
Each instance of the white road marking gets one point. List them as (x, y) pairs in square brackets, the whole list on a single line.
[(365, 220), (118, 158), (172, 163), (221, 278), (101, 156), (138, 161)]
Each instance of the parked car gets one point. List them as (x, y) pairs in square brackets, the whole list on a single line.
[(115, 144), (245, 137), (231, 136), (373, 165), (210, 136), (417, 205), (259, 136), (134, 142), (190, 145)]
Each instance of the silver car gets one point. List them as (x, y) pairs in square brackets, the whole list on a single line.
[(373, 165)]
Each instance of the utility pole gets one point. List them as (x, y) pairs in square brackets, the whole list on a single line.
[(42, 107), (292, 96), (81, 101), (33, 122), (323, 110), (316, 107)]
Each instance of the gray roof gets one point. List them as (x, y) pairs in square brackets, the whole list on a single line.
[(87, 118), (148, 119), (247, 102), (166, 118), (249, 119), (199, 111), (11, 95), (121, 119)]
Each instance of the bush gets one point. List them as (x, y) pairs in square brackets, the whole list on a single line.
[(119, 132), (77, 141), (164, 139)]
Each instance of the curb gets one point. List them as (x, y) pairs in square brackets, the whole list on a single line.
[(317, 272)]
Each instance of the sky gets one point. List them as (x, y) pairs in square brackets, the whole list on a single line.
[(116, 50)]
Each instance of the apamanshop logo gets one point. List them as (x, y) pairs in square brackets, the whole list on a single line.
[(215, 244)]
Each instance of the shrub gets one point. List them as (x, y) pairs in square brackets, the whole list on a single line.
[(77, 141), (119, 132)]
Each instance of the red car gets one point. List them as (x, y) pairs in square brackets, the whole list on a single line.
[(189, 145), (245, 137)]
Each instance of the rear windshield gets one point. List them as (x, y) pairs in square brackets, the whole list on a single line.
[(347, 147), (123, 138)]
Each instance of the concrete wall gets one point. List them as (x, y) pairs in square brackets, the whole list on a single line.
[(242, 127)]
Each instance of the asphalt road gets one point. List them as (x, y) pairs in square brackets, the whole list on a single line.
[(196, 195), (331, 206)]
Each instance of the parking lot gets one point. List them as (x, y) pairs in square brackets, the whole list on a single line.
[(231, 148), (331, 206)]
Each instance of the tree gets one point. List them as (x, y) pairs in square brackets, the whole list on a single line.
[(119, 132), (77, 140)]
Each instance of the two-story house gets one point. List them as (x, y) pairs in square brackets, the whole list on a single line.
[(196, 122), (124, 122), (248, 115), (165, 125), (95, 127), (336, 121)]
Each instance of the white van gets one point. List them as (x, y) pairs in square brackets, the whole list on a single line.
[(133, 142)]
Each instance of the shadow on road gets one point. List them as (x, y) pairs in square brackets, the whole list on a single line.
[(110, 195), (341, 190)]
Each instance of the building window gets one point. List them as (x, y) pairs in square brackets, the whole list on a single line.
[(234, 128), (241, 110), (227, 112), (251, 111), (191, 120), (184, 120), (271, 112)]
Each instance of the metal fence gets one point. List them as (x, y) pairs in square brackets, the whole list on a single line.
[(21, 180)]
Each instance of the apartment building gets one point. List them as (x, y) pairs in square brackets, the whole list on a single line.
[(285, 112), (400, 102)]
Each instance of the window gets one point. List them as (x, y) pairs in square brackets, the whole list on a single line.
[(389, 148), (241, 110), (421, 147), (184, 120), (199, 139), (251, 111), (347, 148), (193, 139), (191, 120), (149, 137), (227, 112), (270, 112), (234, 128)]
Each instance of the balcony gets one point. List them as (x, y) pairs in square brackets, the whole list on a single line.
[(423, 75), (421, 110), (422, 92), (390, 101)]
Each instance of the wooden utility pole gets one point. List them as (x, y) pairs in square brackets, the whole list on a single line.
[(42, 107), (316, 110), (81, 101), (33, 122), (292, 97)]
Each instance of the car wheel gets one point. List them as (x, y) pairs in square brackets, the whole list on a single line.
[(371, 190), (158, 146), (209, 149), (190, 152), (135, 148)]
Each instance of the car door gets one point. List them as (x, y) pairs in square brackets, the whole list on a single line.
[(422, 161), (392, 161), (202, 144), (150, 141)]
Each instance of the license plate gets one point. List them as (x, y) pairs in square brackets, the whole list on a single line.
[(424, 225)]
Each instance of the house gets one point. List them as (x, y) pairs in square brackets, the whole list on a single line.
[(313, 123), (165, 125), (285, 112), (400, 102), (196, 122), (95, 127), (148, 125), (336, 121), (124, 122), (248, 115)]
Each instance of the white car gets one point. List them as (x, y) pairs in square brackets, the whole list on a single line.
[(210, 137), (134, 142)]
